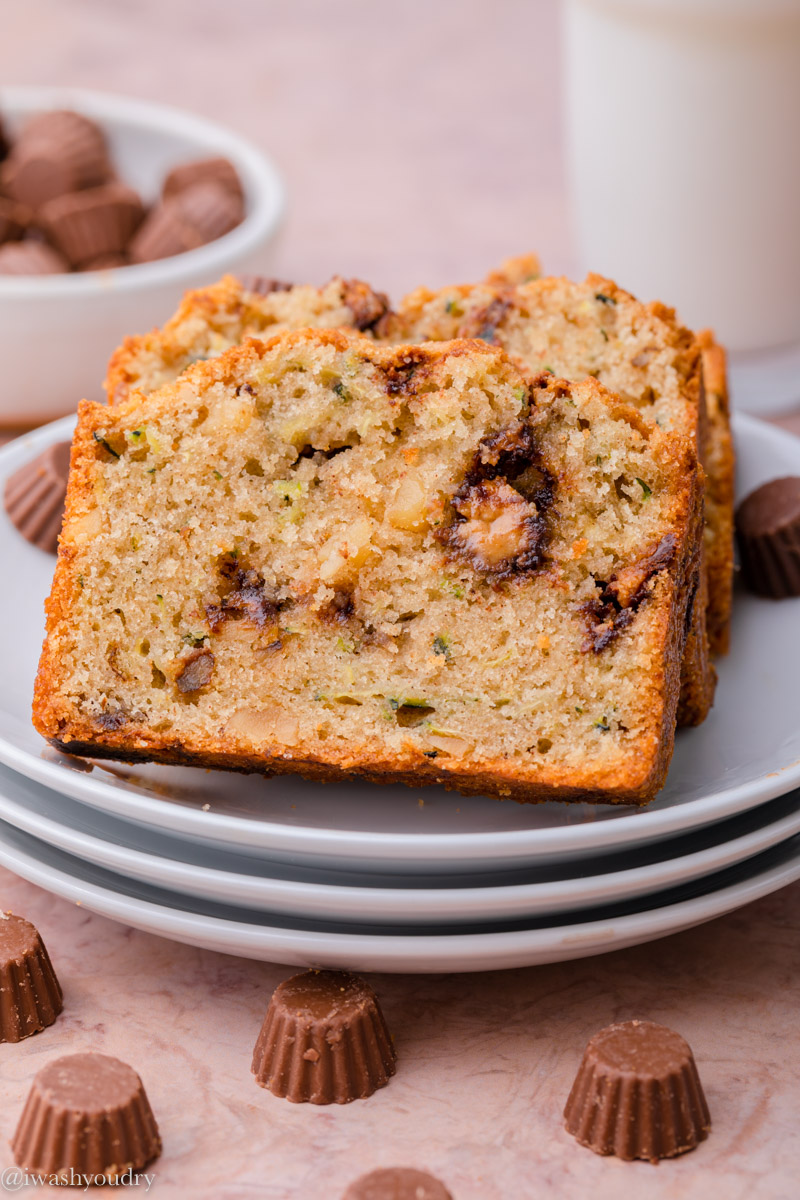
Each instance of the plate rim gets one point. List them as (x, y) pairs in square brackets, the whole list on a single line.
[(416, 905), (486, 951), (320, 843)]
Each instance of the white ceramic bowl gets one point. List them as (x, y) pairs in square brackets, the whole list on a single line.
[(58, 331)]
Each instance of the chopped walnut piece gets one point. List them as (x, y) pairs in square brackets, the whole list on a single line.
[(259, 726), (197, 670)]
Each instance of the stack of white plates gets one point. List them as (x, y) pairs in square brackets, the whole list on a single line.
[(389, 878)]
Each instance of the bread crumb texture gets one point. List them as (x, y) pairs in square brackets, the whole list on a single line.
[(413, 563)]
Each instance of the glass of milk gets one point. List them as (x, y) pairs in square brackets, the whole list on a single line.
[(683, 133)]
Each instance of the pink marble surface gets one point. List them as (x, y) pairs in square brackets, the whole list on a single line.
[(420, 143), (485, 1063)]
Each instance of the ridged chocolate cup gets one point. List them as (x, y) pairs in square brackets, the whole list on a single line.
[(31, 258), (210, 210), (57, 152), (162, 234), (87, 1114), (206, 170), (262, 285), (65, 127), (30, 994), (98, 221), (768, 533), (637, 1094), (14, 220), (188, 219), (34, 496), (397, 1183), (324, 1040)]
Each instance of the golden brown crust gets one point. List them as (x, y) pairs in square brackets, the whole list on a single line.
[(131, 740), (493, 780), (213, 318), (721, 480)]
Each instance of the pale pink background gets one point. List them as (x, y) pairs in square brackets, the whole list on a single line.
[(420, 144)]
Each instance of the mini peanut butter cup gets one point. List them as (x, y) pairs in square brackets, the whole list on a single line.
[(210, 210), (30, 994), (57, 152), (397, 1183), (188, 219), (86, 1114), (99, 221), (324, 1040), (262, 285), (14, 220), (34, 496), (31, 258), (637, 1094), (63, 126), (36, 176), (768, 533), (207, 170), (162, 234)]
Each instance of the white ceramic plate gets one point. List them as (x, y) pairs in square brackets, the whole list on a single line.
[(304, 942), (747, 752), (557, 886)]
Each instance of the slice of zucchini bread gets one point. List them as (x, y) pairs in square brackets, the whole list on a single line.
[(594, 328), (320, 555), (665, 360)]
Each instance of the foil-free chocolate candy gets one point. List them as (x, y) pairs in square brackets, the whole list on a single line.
[(324, 1040), (14, 220), (93, 223), (86, 1114), (262, 285), (30, 994), (162, 234), (86, 225), (768, 533), (34, 496), (206, 170), (210, 210), (637, 1094), (56, 153), (397, 1183), (188, 219), (63, 126), (31, 258)]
